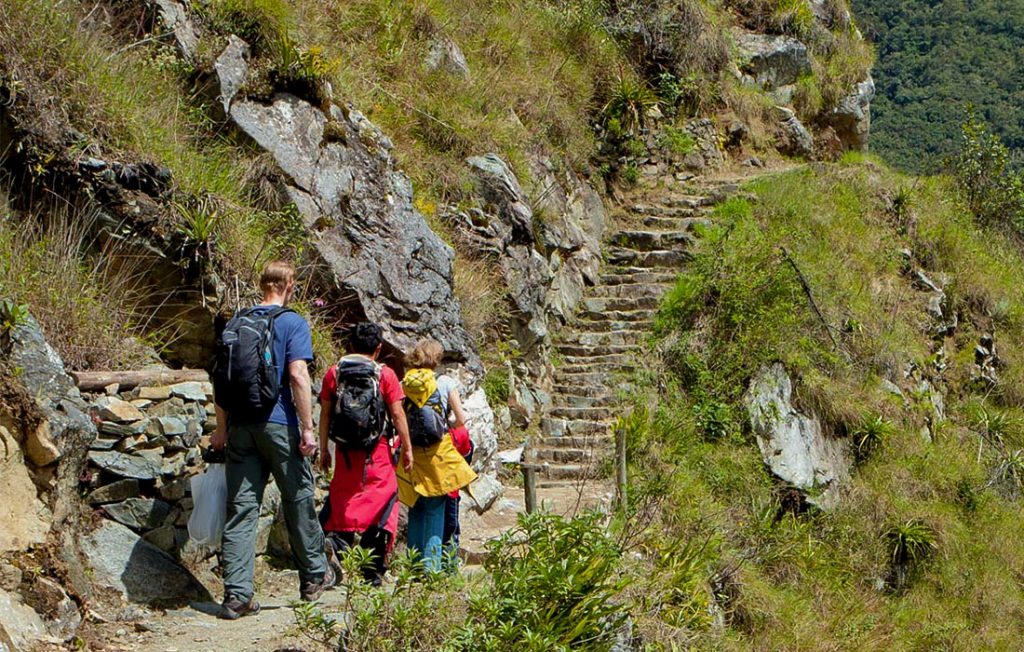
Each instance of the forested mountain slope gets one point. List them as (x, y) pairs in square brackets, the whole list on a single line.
[(935, 58)]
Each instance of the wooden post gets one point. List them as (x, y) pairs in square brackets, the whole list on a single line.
[(530, 486), (620, 468)]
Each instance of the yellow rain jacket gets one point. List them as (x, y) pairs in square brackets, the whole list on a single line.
[(439, 469)]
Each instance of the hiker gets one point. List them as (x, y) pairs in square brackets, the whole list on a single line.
[(361, 411), (263, 400), (438, 468)]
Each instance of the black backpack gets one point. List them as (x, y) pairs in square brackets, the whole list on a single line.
[(427, 424), (246, 378), (359, 419)]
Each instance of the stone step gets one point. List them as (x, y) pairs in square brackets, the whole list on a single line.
[(639, 275), (593, 391), (663, 209), (607, 325), (558, 427), (569, 348), (562, 455), (609, 368), (659, 223), (567, 471), (621, 358), (572, 400), (604, 339), (585, 413), (640, 315), (596, 442), (605, 304), (650, 259), (652, 240), (628, 290)]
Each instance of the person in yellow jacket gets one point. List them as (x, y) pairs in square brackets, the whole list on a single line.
[(431, 404)]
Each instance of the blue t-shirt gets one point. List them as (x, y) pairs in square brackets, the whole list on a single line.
[(292, 341)]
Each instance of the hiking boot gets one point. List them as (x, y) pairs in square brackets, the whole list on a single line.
[(310, 591), (332, 557), (233, 608)]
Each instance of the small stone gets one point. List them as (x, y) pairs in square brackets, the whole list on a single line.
[(174, 490), (126, 466), (114, 492), (104, 443), (139, 513), (191, 391), (130, 444), (39, 446), (162, 537), (170, 408), (10, 576), (153, 393), (175, 444), (114, 409), (123, 429), (167, 426), (141, 403), (112, 389), (175, 465)]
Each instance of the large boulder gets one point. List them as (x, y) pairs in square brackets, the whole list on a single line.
[(851, 118), (125, 564), (793, 444), (480, 423), (445, 55), (771, 61), (377, 246)]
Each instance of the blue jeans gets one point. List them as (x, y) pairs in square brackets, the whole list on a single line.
[(426, 527)]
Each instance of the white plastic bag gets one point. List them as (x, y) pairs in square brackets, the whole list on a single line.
[(209, 506)]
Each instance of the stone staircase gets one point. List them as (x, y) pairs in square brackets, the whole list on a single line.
[(646, 251)]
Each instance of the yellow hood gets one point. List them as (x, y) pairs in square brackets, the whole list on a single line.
[(419, 385)]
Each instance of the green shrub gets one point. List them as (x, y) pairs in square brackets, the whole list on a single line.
[(910, 543), (992, 189), (678, 141), (496, 386), (555, 586), (263, 24), (869, 435)]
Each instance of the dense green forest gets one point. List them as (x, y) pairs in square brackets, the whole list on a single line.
[(934, 58)]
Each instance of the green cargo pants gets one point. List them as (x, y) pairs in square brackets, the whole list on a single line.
[(254, 452)]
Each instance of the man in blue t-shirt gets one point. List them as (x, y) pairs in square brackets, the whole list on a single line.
[(280, 444)]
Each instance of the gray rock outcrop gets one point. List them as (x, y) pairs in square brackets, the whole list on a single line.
[(793, 444), (851, 118), (359, 210), (771, 61), (794, 138), (21, 628), (26, 520)]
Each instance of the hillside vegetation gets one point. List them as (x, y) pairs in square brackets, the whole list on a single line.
[(934, 59), (569, 84)]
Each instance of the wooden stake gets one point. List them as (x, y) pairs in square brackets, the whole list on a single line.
[(530, 486), (621, 481)]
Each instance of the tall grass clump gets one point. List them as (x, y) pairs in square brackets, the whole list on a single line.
[(92, 303)]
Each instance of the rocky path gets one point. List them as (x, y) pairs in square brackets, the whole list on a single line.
[(597, 352)]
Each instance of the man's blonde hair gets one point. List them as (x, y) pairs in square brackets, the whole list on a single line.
[(426, 354), (276, 276)]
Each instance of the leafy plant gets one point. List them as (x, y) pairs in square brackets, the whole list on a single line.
[(910, 544), (629, 101), (631, 173), (869, 435), (714, 418), (496, 386), (678, 141), (983, 170), (555, 586), (200, 218)]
